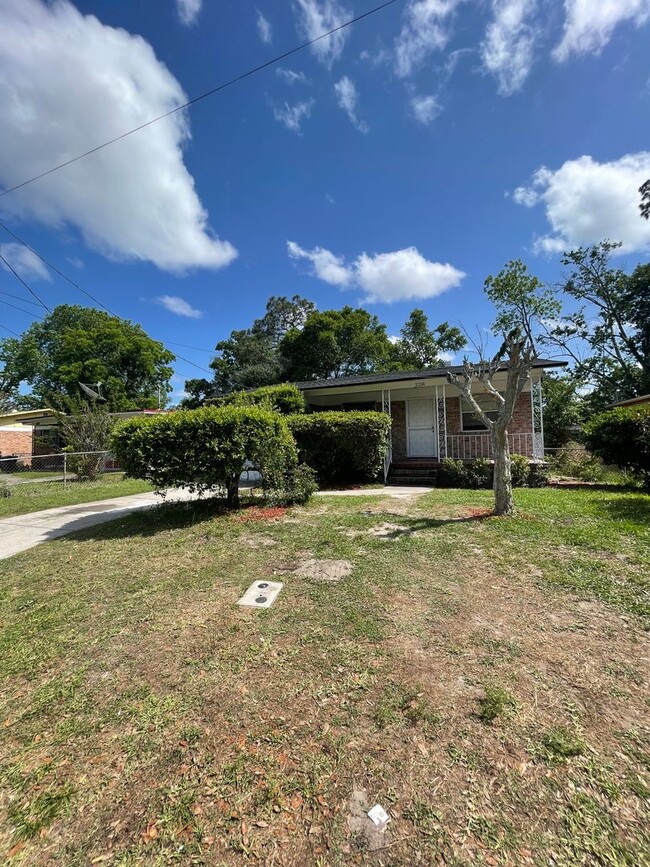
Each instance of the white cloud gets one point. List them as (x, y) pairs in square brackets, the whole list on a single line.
[(179, 306), (24, 262), (425, 109), (348, 98), (508, 48), (292, 116), (290, 76), (589, 24), (316, 17), (402, 275), (264, 29), (326, 265), (587, 201), (83, 83), (426, 28), (188, 10)]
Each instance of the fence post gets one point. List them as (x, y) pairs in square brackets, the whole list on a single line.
[(65, 471)]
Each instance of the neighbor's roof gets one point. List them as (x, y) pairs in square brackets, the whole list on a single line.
[(401, 375), (27, 416), (631, 401)]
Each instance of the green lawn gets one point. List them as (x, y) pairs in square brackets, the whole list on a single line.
[(481, 678), (28, 497)]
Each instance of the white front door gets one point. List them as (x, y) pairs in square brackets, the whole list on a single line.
[(420, 420)]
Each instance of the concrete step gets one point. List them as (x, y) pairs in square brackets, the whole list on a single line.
[(415, 482)]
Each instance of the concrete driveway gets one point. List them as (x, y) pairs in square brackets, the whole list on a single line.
[(25, 531)]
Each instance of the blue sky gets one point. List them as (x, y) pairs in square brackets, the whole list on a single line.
[(395, 166)]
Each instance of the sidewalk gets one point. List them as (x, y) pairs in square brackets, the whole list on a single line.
[(25, 531)]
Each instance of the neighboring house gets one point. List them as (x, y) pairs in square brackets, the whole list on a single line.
[(633, 401), (431, 421), (37, 431)]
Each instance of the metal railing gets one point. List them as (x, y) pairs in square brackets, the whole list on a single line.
[(62, 469), (470, 446)]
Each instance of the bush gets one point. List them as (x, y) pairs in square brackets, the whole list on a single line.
[(205, 449), (480, 473), (575, 462), (343, 447), (285, 399), (5, 490), (622, 437), (299, 484)]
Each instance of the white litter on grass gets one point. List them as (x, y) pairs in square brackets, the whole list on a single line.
[(379, 816), (261, 594)]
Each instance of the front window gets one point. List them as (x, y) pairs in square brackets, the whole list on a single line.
[(471, 422)]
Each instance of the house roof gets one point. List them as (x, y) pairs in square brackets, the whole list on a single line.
[(402, 375), (27, 416), (631, 401)]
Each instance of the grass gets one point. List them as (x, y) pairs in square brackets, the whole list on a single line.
[(146, 719), (26, 497)]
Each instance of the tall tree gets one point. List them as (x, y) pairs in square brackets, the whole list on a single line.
[(335, 343), (76, 344), (563, 409), (421, 348), (250, 357), (608, 338), (522, 304)]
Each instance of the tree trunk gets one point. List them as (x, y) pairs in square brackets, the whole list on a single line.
[(232, 489), (503, 501)]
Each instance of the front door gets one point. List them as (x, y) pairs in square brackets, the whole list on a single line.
[(421, 428)]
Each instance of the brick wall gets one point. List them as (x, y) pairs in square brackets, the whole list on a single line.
[(398, 412), (473, 444), (15, 442)]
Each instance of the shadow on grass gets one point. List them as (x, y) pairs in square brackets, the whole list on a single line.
[(635, 508), (153, 520)]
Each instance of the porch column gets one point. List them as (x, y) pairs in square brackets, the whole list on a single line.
[(385, 407), (538, 419), (441, 421)]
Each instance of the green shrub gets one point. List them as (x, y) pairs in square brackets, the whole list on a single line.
[(480, 473), (495, 702), (285, 399), (520, 468), (575, 462), (205, 449), (343, 447), (622, 437), (298, 484), (5, 490)]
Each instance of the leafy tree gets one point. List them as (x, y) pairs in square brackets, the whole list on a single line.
[(622, 437), (80, 344), (613, 323), (335, 343), (644, 207), (522, 304), (87, 433), (563, 409), (420, 348), (250, 357)]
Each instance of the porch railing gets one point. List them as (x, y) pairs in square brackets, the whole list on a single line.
[(468, 447)]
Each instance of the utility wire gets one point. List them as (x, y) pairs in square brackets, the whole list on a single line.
[(201, 96), (9, 331), (20, 298), (15, 307), (29, 288), (195, 348)]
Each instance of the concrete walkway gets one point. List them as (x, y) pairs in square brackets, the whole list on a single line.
[(25, 531)]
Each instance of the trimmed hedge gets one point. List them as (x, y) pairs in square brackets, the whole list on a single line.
[(343, 447), (205, 449), (285, 398), (622, 437)]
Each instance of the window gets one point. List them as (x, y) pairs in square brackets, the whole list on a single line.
[(471, 422)]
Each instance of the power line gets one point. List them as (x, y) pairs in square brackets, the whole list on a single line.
[(29, 288), (20, 298), (15, 307), (201, 96), (9, 331), (77, 286), (195, 348)]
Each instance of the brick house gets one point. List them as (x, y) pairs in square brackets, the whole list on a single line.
[(431, 420)]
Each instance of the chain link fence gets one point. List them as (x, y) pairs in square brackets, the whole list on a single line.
[(61, 470)]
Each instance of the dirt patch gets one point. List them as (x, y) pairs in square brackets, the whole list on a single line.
[(325, 570), (258, 541), (258, 513), (391, 532), (365, 834)]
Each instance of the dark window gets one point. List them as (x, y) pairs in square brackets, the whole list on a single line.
[(471, 422)]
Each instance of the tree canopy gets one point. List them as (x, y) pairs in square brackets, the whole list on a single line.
[(608, 337), (76, 344), (420, 348)]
